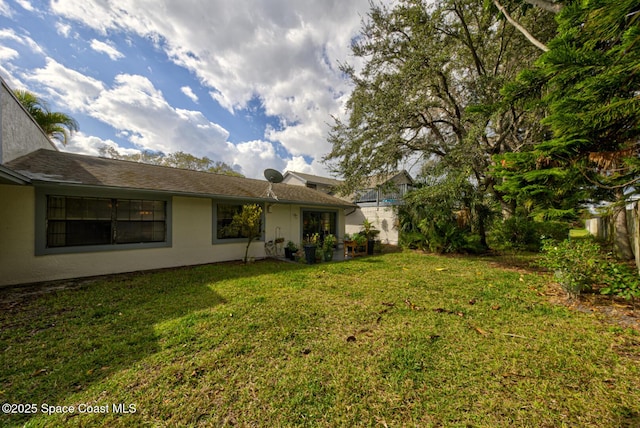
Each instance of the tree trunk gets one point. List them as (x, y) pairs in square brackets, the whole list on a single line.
[(482, 228), (636, 233), (246, 251), (621, 240)]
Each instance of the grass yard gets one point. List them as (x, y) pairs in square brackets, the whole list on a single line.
[(401, 339)]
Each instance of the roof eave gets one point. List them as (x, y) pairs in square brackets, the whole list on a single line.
[(9, 176), (192, 194)]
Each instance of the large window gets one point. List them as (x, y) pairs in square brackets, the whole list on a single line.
[(223, 218), (80, 221), (320, 222)]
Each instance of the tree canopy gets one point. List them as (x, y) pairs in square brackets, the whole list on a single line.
[(248, 222), (175, 160), (429, 92), (588, 85)]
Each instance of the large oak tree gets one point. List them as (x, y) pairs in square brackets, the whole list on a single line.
[(429, 92)]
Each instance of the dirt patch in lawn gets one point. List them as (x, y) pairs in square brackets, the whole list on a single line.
[(613, 310)]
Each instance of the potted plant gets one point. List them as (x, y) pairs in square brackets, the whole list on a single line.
[(370, 232), (290, 250), (360, 240), (327, 247), (310, 245)]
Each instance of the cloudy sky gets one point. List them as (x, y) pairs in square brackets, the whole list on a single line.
[(252, 83)]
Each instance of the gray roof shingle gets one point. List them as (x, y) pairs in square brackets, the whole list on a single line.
[(48, 166)]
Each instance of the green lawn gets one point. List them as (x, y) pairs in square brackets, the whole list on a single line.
[(400, 339)]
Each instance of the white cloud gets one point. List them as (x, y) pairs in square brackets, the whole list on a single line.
[(7, 54), (5, 9), (63, 29), (12, 35), (25, 5), (65, 86), (254, 157), (282, 52), (140, 113), (90, 145), (189, 93), (106, 48)]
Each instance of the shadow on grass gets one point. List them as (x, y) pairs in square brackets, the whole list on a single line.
[(60, 341)]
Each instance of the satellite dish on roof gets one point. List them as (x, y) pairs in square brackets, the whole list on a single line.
[(273, 176)]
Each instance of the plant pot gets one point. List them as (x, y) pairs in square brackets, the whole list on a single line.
[(328, 255), (310, 254), (287, 253), (370, 245)]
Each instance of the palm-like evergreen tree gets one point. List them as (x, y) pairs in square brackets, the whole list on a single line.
[(56, 125)]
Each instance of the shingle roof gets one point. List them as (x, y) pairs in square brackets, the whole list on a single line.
[(48, 166)]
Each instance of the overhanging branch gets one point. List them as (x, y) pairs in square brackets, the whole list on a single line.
[(537, 43)]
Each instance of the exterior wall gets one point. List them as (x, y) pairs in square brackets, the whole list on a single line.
[(192, 237), (383, 218), (19, 135), (293, 180), (286, 221), (283, 221), (191, 244), (296, 181)]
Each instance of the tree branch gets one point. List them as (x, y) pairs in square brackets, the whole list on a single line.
[(537, 43)]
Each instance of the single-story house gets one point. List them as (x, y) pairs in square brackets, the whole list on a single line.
[(377, 201), (66, 215)]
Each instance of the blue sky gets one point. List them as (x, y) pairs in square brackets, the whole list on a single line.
[(252, 83)]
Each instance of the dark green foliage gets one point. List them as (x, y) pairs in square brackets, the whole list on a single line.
[(577, 264), (523, 233), (58, 126), (429, 90), (581, 264), (517, 233), (413, 239), (587, 85), (555, 230), (442, 216), (175, 160), (249, 223), (621, 280)]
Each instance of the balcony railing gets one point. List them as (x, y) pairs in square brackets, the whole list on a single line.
[(384, 196)]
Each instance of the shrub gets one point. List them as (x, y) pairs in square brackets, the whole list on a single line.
[(413, 240), (577, 264), (443, 235), (555, 230), (621, 281), (515, 233), (522, 233)]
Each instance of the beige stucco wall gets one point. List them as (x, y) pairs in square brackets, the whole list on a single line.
[(191, 241), (282, 221), (383, 218), (192, 234)]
